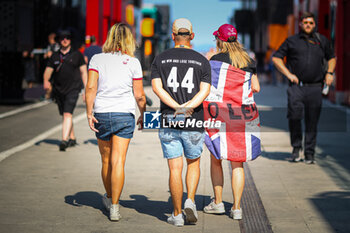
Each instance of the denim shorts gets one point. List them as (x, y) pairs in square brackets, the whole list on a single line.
[(118, 123), (174, 142)]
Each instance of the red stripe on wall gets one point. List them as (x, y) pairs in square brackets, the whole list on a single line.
[(92, 18)]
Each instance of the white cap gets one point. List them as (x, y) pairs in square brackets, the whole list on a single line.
[(182, 23)]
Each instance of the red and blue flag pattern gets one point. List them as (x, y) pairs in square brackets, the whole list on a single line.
[(231, 101)]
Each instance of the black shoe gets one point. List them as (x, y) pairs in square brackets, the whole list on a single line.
[(63, 145), (296, 155), (72, 142), (310, 159)]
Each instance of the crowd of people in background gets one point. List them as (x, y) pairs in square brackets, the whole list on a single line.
[(33, 63)]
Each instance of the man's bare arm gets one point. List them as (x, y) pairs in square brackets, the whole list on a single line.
[(83, 73), (47, 74), (164, 96), (204, 90), (331, 66)]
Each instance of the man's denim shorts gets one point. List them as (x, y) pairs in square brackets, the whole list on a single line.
[(174, 142), (117, 123)]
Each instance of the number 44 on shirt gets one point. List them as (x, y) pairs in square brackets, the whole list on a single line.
[(187, 82)]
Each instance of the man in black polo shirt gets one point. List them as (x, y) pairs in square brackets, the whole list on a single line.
[(305, 53), (69, 76)]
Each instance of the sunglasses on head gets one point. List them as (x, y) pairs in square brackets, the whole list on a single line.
[(307, 22)]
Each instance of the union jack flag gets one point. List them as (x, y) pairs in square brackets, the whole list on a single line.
[(231, 101)]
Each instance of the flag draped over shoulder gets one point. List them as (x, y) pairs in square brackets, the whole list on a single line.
[(231, 101)]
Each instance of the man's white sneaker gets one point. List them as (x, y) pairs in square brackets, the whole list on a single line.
[(177, 220), (213, 208), (114, 214), (190, 211), (236, 214), (107, 202)]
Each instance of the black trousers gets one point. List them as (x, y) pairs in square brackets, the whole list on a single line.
[(304, 102)]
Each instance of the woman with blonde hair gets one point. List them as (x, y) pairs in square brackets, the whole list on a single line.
[(235, 80), (114, 83)]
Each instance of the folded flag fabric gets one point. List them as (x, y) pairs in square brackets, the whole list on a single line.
[(231, 101)]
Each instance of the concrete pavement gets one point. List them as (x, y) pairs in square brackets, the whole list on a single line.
[(44, 190), (299, 197)]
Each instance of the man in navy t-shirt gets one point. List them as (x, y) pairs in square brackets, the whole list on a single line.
[(91, 50)]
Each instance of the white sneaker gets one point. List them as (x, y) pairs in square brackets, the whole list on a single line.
[(190, 211), (107, 202), (177, 220), (213, 208), (236, 214), (114, 214)]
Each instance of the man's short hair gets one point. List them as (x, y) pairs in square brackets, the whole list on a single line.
[(307, 15)]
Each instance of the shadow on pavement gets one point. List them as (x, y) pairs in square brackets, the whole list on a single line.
[(276, 155), (49, 141), (335, 161), (161, 209), (86, 198), (92, 141), (335, 208), (331, 120), (143, 205)]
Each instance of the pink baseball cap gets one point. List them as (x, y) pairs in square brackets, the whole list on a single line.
[(225, 31)]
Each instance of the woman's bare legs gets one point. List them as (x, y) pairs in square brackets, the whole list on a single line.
[(105, 151), (237, 183), (118, 155), (217, 178)]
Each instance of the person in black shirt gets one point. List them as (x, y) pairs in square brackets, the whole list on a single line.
[(69, 76), (231, 52), (305, 53), (181, 79)]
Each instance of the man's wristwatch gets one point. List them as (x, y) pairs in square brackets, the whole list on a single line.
[(331, 73)]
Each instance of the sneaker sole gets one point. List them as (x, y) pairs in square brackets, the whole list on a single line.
[(115, 218), (235, 217), (177, 225), (213, 211), (190, 217), (310, 162)]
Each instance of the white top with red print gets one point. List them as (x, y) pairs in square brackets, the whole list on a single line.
[(116, 72)]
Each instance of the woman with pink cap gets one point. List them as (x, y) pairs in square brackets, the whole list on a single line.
[(232, 54)]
